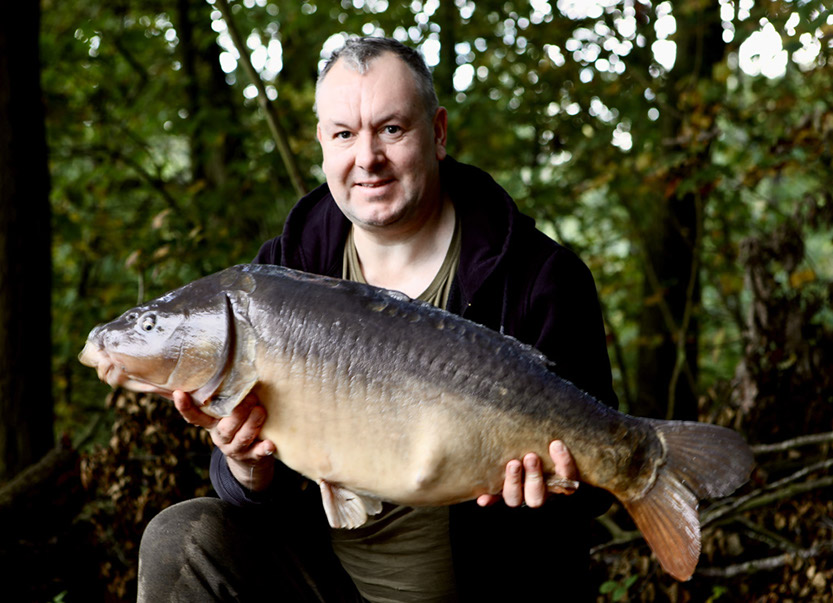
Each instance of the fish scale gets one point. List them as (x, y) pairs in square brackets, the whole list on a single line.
[(377, 397)]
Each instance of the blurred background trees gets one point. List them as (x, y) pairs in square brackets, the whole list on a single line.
[(681, 147), (651, 137)]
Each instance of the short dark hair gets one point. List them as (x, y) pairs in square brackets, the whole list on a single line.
[(359, 52)]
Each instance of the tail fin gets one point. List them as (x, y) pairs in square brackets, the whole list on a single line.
[(701, 461)]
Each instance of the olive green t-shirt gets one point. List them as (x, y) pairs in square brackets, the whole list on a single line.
[(437, 292), (402, 554)]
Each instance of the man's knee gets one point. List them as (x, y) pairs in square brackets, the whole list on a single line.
[(182, 524), (179, 547)]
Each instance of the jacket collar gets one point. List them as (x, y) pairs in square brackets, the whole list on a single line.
[(315, 230)]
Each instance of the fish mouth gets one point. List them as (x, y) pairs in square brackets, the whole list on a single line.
[(115, 373), (94, 356), (91, 355)]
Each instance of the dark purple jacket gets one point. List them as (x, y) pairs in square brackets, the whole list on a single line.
[(514, 279)]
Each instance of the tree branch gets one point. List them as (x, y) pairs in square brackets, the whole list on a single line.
[(764, 564), (770, 493), (272, 119), (761, 534), (619, 355), (681, 361), (808, 440)]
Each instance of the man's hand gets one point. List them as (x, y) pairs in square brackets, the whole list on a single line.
[(249, 458), (524, 483)]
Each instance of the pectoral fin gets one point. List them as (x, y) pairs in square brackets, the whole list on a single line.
[(345, 508), (231, 393), (238, 375)]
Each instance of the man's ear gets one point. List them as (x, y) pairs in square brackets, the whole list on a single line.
[(318, 134), (440, 126)]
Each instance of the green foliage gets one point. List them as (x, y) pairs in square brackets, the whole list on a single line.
[(717, 593), (163, 168), (617, 590)]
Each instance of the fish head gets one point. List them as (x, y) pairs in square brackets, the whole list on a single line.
[(179, 341)]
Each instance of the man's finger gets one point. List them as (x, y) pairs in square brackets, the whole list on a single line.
[(250, 429), (189, 411), (487, 500), (565, 469), (225, 430), (534, 489), (513, 484), (263, 449)]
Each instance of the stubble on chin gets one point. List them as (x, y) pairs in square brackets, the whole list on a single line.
[(375, 211)]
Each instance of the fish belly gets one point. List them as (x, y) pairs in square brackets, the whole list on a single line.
[(396, 439)]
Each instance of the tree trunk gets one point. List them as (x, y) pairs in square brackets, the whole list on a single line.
[(25, 256), (447, 16), (667, 365), (670, 247)]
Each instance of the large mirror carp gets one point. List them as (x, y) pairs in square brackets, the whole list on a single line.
[(376, 398)]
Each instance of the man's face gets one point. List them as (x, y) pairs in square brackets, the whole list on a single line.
[(381, 152)]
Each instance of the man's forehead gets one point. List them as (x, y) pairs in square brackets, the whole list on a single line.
[(345, 71), (365, 64), (388, 79)]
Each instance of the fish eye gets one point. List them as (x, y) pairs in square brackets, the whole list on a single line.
[(148, 322)]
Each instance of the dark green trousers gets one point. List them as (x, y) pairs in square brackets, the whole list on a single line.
[(208, 550)]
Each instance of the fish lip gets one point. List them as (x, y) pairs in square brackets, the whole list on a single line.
[(115, 374), (109, 373), (91, 355), (104, 372)]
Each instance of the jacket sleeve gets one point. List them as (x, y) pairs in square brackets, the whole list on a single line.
[(229, 489), (564, 321), (269, 253)]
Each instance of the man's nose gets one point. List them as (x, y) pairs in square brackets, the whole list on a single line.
[(370, 153)]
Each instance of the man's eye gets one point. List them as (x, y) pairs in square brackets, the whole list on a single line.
[(343, 135), (392, 129)]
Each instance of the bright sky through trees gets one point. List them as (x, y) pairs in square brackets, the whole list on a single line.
[(762, 53), (601, 50)]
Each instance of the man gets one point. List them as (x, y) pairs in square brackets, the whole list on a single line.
[(397, 212)]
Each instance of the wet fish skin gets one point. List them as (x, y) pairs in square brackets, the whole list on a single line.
[(377, 397)]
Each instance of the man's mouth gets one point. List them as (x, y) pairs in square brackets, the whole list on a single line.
[(373, 183)]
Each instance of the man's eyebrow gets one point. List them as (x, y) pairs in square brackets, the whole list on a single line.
[(394, 116), (338, 124)]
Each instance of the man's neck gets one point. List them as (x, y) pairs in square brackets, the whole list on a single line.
[(407, 261)]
